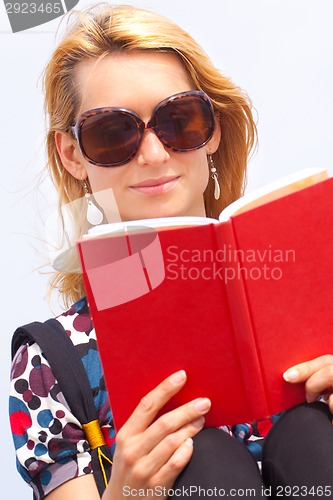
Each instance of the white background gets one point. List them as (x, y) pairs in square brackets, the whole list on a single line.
[(279, 51)]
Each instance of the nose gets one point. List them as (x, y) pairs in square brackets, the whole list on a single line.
[(151, 150)]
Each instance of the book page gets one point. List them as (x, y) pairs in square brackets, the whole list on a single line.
[(274, 190), (161, 223)]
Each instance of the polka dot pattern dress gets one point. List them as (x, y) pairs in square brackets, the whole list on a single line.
[(50, 444)]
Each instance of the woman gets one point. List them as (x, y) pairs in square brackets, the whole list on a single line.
[(129, 59)]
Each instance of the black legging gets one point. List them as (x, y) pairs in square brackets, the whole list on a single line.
[(297, 461)]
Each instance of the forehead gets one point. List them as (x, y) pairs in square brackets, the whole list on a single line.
[(136, 80)]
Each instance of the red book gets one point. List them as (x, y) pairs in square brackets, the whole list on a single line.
[(235, 303)]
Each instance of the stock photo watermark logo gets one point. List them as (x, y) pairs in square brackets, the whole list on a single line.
[(227, 263), (122, 261), (24, 15)]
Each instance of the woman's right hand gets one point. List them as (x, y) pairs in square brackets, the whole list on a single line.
[(152, 453)]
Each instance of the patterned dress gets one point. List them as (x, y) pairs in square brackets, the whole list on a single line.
[(50, 444)]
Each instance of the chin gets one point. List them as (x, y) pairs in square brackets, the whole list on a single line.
[(169, 208), (149, 214)]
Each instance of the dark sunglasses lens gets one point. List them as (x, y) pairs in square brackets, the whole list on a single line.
[(110, 137), (186, 123)]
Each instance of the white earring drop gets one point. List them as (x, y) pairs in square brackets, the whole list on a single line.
[(94, 215), (217, 190)]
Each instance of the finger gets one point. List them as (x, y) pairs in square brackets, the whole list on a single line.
[(330, 402), (319, 383), (166, 425), (149, 406), (160, 454), (303, 371), (176, 419), (169, 472)]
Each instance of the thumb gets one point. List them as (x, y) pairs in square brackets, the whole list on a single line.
[(303, 371), (298, 373)]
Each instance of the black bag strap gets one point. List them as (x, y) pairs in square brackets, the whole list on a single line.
[(71, 375)]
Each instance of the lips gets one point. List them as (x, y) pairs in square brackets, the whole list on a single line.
[(156, 186)]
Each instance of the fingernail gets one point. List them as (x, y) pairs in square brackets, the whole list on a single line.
[(189, 442), (310, 399), (202, 405), (291, 375), (199, 422), (178, 377)]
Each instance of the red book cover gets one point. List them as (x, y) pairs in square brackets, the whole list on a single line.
[(234, 303)]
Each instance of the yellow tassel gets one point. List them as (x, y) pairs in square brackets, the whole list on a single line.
[(94, 434), (96, 439), (100, 458)]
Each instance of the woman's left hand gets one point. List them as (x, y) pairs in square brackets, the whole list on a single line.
[(318, 377)]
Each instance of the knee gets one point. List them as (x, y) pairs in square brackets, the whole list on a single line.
[(304, 415), (298, 448), (220, 447), (220, 461), (215, 442), (307, 420), (210, 437)]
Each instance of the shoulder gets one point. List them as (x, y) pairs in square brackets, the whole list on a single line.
[(48, 438), (32, 377), (77, 323), (32, 363)]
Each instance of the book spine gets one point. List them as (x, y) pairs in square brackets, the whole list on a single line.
[(242, 322)]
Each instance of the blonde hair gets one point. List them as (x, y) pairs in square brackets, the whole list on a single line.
[(101, 31)]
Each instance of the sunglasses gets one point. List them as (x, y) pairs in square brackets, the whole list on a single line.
[(109, 137)]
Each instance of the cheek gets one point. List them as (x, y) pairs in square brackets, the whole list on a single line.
[(103, 178), (201, 171), (205, 172), (106, 185)]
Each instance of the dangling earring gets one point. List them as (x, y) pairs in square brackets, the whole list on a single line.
[(94, 215), (217, 190)]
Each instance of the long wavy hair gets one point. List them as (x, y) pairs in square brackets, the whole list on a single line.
[(109, 29)]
